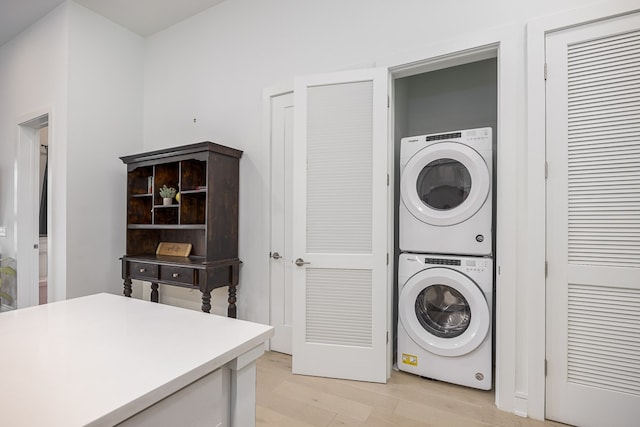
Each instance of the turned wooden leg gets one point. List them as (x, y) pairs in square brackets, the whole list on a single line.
[(232, 310), (154, 292), (127, 287), (206, 301)]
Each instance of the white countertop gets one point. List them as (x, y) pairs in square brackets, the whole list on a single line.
[(97, 360)]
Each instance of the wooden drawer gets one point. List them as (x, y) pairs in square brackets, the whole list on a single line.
[(179, 275), (143, 271)]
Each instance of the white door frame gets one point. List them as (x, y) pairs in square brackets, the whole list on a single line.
[(267, 96), (27, 204), (512, 391), (536, 194)]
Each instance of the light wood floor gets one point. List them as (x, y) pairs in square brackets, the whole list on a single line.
[(286, 400)]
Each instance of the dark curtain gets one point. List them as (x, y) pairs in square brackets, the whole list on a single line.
[(43, 200)]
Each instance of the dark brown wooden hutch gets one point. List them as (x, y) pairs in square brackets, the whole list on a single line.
[(206, 215)]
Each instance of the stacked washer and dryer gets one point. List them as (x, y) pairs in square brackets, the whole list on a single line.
[(445, 269)]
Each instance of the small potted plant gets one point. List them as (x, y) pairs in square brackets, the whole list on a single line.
[(10, 271), (167, 194)]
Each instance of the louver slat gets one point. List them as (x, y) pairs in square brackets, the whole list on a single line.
[(604, 151), (604, 337), (339, 307), (339, 171)]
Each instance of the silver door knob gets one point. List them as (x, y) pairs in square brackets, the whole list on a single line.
[(276, 255), (300, 262)]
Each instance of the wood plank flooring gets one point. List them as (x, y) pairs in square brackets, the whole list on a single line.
[(286, 400)]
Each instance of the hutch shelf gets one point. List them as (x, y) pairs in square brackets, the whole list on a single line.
[(204, 214)]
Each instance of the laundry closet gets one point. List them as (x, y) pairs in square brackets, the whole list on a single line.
[(340, 266), (456, 107)]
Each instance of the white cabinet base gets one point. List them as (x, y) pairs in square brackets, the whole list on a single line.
[(199, 404)]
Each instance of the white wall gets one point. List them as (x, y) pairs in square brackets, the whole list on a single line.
[(105, 122), (33, 80), (87, 73)]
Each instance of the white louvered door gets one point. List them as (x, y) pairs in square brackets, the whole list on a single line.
[(340, 225), (593, 224)]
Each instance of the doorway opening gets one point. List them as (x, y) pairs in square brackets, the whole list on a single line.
[(32, 211), (42, 215)]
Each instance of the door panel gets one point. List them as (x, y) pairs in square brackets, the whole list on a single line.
[(340, 225), (281, 220), (593, 223)]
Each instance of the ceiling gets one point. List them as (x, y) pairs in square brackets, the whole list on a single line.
[(143, 17)]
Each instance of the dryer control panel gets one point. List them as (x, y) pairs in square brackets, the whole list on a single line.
[(481, 134)]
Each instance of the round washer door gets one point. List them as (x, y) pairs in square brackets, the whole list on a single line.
[(444, 312), (445, 183)]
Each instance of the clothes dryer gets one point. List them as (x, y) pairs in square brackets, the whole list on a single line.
[(446, 193), (445, 318)]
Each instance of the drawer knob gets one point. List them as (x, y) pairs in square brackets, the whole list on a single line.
[(174, 275), (142, 270)]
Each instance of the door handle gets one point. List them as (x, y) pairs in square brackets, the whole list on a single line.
[(276, 255), (300, 262)]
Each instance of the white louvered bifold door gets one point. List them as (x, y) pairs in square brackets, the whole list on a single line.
[(593, 224), (340, 225)]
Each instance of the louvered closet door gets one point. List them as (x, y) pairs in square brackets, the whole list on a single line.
[(340, 225), (593, 224)]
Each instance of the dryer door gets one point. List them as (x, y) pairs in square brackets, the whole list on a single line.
[(444, 312), (445, 183)]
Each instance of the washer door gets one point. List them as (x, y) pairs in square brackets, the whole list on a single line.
[(444, 312), (445, 183)]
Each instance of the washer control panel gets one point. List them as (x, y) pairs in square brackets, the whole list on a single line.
[(469, 265), (441, 261), (476, 264), (479, 264)]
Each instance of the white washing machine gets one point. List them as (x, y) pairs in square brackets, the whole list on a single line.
[(445, 192), (445, 318)]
